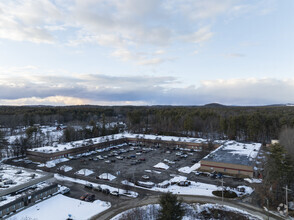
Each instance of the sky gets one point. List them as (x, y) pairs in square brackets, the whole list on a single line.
[(139, 52)]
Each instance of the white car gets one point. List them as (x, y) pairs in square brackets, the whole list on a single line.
[(145, 177), (114, 193), (100, 157)]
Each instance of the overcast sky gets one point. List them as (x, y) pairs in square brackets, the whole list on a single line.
[(146, 52)]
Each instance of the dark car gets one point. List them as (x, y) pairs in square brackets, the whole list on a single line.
[(90, 198), (89, 186), (83, 197), (106, 191), (98, 188), (133, 162)]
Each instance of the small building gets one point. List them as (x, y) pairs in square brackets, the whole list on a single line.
[(232, 158), (26, 187)]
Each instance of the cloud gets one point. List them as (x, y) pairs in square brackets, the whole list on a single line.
[(66, 88), (202, 35), (126, 27), (26, 20), (235, 55), (140, 58)]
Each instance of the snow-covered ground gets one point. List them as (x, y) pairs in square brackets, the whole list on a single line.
[(161, 166), (17, 175), (52, 163), (189, 169), (192, 212), (253, 180), (107, 176), (65, 168), (60, 207), (103, 186), (84, 172), (195, 188)]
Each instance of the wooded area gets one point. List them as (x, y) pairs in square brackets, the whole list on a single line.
[(259, 124)]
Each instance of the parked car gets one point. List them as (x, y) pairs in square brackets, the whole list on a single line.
[(194, 161), (184, 183), (89, 186), (145, 177), (83, 197), (90, 198), (133, 162), (114, 193), (106, 191), (97, 188), (64, 191)]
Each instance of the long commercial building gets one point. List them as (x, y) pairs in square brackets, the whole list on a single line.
[(47, 153)]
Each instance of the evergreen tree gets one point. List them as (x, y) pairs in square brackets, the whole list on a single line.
[(3, 141), (171, 207)]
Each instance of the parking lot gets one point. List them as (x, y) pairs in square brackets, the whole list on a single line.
[(128, 162), (132, 162)]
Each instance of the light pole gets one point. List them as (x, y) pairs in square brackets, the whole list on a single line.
[(222, 181), (286, 190), (267, 207)]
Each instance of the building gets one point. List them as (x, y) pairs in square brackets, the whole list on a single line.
[(47, 153), (232, 158), (21, 187)]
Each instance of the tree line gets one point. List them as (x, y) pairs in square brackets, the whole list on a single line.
[(212, 121)]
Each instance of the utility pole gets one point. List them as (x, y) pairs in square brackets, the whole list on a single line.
[(267, 207), (286, 190), (222, 181)]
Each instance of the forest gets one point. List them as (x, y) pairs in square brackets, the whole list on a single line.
[(213, 121)]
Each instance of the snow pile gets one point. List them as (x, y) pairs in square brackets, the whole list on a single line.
[(52, 163), (253, 180), (107, 176), (60, 207), (247, 190), (65, 168), (189, 169), (161, 166), (177, 179), (84, 172)]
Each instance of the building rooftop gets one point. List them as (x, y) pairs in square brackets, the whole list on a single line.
[(235, 153), (11, 176)]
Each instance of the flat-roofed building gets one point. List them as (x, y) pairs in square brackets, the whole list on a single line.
[(232, 158), (47, 153), (20, 187)]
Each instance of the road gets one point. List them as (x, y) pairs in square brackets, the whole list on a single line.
[(153, 199)]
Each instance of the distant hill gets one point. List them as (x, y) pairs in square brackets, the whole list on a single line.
[(215, 105)]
